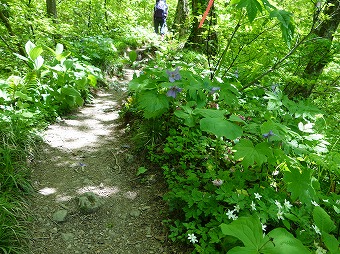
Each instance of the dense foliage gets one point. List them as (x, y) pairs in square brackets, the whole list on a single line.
[(253, 155), (251, 165)]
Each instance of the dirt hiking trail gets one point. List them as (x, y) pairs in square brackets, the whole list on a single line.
[(88, 199)]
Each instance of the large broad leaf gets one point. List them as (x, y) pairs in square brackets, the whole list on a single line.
[(229, 97), (250, 155), (243, 250), (287, 26), (249, 231), (221, 128), (331, 243), (252, 6), (300, 184), (153, 104), (213, 113), (133, 56), (284, 243), (283, 16), (187, 115), (322, 220), (70, 91)]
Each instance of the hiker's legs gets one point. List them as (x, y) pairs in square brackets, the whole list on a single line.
[(163, 27), (156, 25)]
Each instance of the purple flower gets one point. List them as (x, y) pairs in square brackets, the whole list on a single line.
[(273, 87), (214, 89), (173, 91), (236, 74), (174, 75), (269, 134)]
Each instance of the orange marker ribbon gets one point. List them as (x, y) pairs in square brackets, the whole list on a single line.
[(206, 13)]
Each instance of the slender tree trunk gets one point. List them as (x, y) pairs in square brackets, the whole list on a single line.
[(197, 39), (106, 15), (89, 16), (51, 8), (321, 54), (181, 21)]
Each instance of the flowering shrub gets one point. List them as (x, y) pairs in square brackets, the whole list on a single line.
[(247, 172)]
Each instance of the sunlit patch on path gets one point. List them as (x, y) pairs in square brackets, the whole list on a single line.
[(82, 161)]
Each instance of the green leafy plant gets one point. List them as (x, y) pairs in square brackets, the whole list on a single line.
[(239, 156)]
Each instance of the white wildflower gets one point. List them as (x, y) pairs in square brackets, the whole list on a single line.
[(258, 196), (278, 204), (230, 214), (280, 215), (275, 173), (217, 182), (264, 227), (314, 203), (234, 217), (192, 238), (320, 250), (253, 206), (237, 208), (317, 230), (287, 204)]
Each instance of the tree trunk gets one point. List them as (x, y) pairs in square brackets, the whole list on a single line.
[(181, 21), (321, 54), (4, 20), (197, 39), (51, 8)]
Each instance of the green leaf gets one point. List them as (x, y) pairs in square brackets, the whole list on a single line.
[(331, 243), (133, 56), (284, 243), (283, 16), (62, 56), (187, 115), (221, 128), (213, 113), (92, 80), (252, 6), (286, 24), (228, 97), (249, 154), (70, 91), (35, 53), (322, 220), (153, 104), (235, 118), (234, 2), (141, 170), (22, 96), (247, 229), (243, 250), (27, 114), (300, 184)]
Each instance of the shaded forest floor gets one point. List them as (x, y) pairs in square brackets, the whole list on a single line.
[(87, 152)]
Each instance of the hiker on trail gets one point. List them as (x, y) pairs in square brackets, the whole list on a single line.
[(159, 17)]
